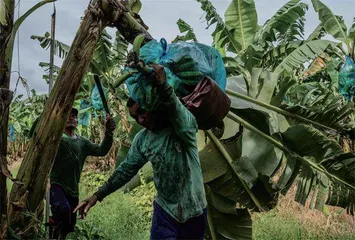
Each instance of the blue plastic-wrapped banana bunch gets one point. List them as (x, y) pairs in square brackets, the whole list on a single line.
[(347, 79), (185, 65)]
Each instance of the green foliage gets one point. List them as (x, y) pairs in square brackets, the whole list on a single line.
[(333, 24), (24, 112), (143, 199), (317, 102), (241, 19), (293, 33), (221, 35), (352, 31), (93, 180), (307, 51), (289, 18), (317, 33), (187, 29), (117, 217), (61, 49), (86, 231)]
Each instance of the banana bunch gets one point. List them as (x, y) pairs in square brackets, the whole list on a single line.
[(186, 69)]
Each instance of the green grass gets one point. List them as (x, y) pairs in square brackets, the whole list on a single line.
[(271, 225), (128, 216), (118, 218)]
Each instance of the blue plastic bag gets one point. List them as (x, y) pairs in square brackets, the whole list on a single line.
[(206, 61), (96, 98), (347, 79), (84, 117), (12, 133)]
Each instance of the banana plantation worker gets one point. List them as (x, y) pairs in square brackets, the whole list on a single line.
[(168, 141), (65, 175)]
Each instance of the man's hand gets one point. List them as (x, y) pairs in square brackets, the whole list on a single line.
[(85, 206), (159, 74), (110, 124)]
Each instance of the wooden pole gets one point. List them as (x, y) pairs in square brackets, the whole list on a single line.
[(51, 67)]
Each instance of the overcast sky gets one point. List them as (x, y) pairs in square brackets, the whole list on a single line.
[(159, 15)]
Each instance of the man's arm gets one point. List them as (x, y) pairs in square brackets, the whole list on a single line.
[(125, 171), (105, 146), (183, 121), (100, 149)]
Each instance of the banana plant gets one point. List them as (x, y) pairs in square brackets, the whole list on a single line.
[(334, 25), (260, 46), (269, 68), (241, 168), (8, 30), (22, 115)]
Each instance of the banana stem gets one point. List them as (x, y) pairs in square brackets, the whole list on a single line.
[(278, 110), (230, 162), (123, 78), (285, 149)]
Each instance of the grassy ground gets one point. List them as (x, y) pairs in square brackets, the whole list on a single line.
[(275, 225), (127, 216), (118, 218)]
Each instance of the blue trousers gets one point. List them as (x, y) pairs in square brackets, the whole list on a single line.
[(166, 227), (62, 206)]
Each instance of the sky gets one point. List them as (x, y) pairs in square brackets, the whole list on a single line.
[(160, 15)]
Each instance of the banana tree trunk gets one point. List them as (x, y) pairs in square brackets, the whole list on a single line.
[(46, 138), (39, 158), (5, 100), (6, 25)]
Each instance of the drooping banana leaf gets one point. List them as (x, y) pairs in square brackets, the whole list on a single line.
[(21, 19), (228, 221), (187, 30), (338, 175), (307, 51), (241, 18), (316, 102), (61, 49), (351, 33), (333, 24), (287, 15), (294, 33), (317, 33), (221, 35)]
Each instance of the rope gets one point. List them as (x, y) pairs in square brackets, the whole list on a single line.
[(18, 39)]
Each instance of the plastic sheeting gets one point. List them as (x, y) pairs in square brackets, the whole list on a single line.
[(185, 65)]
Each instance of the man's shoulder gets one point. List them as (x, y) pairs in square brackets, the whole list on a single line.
[(141, 134), (83, 139)]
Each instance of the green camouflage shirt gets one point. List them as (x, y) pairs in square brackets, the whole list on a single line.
[(174, 157)]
